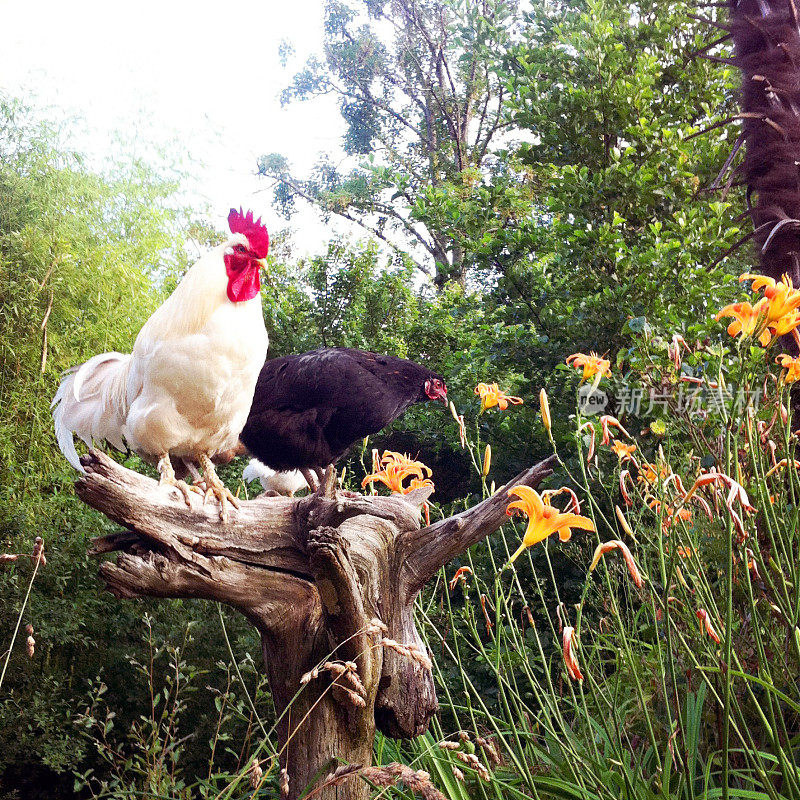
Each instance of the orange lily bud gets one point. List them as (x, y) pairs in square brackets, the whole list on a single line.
[(544, 405), (623, 522), (487, 460), (682, 580), (453, 411), (570, 661), (590, 454), (782, 463), (489, 623)]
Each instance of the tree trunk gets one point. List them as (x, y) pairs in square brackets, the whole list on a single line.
[(329, 580)]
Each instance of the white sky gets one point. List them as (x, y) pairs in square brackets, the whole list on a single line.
[(204, 75)]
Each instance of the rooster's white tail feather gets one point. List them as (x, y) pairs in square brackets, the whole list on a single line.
[(91, 402)]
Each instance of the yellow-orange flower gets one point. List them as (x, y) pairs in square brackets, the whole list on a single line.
[(670, 515), (785, 324), (781, 295), (616, 544), (543, 519), (593, 366), (396, 467), (651, 473), (624, 452), (792, 367), (491, 395), (749, 320)]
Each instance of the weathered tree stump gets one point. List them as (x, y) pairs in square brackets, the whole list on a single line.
[(322, 577)]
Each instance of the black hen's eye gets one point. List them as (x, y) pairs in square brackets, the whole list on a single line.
[(240, 248)]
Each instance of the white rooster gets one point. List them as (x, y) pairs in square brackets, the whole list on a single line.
[(186, 389)]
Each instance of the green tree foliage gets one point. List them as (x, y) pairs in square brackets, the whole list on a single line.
[(351, 296), (80, 257), (421, 104), (601, 219)]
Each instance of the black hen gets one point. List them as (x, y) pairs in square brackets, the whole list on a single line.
[(308, 409)]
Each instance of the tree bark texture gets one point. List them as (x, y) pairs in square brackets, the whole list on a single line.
[(328, 580), (766, 36)]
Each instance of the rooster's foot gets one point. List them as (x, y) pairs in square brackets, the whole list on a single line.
[(215, 487), (167, 478)]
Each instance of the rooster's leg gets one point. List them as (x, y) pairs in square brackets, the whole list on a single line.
[(197, 478), (168, 478), (214, 486), (309, 476)]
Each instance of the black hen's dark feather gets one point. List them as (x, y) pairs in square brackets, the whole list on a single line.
[(308, 409)]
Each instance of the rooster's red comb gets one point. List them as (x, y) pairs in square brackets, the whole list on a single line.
[(255, 232)]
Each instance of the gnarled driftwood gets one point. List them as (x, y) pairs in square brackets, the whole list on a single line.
[(328, 576)]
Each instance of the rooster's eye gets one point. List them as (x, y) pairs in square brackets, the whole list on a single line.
[(240, 248)]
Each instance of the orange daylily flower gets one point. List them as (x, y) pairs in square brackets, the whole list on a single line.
[(651, 473), (543, 519), (593, 366), (670, 515), (491, 395), (616, 544), (785, 324), (396, 467), (781, 295), (570, 661), (624, 452), (749, 320), (792, 367)]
